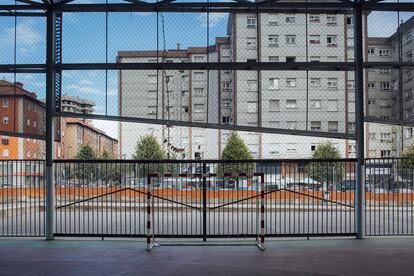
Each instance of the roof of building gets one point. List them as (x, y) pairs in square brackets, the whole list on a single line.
[(16, 90), (89, 126)]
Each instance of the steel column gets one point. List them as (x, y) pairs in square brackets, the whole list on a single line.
[(50, 112), (359, 122)]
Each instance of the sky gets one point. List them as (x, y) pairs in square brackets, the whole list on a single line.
[(84, 41)]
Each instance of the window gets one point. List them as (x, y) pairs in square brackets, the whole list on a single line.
[(409, 55), (198, 58), (351, 127), (34, 124), (251, 107), (225, 85), (290, 39), (273, 40), (371, 84), (273, 84), (290, 82), (385, 86), (332, 40), (225, 120), (198, 108), (350, 85), (384, 52), (385, 153), (385, 136), (152, 94), (315, 82), (331, 19), (251, 85), (371, 51), (290, 59), (273, 23), (184, 109), (409, 94), (315, 104), (332, 105), (409, 132), (251, 22), (273, 59), (314, 18), (332, 126), (408, 36), (349, 21), (251, 43), (291, 124), (152, 110), (314, 39), (199, 92), (315, 59), (198, 76), (273, 105), (291, 104), (409, 114), (372, 136), (28, 122), (226, 103), (409, 75), (5, 152), (315, 125), (290, 18), (5, 103), (384, 71), (152, 79), (332, 83)]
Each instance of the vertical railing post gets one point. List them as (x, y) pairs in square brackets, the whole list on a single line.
[(359, 120), (50, 108), (149, 223), (204, 202)]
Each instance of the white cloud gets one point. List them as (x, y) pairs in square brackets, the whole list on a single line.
[(27, 35), (214, 19)]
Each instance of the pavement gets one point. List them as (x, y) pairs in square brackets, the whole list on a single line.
[(346, 256)]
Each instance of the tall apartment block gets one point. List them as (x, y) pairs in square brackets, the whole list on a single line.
[(296, 100)]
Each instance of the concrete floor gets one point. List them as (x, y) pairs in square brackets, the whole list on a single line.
[(374, 256)]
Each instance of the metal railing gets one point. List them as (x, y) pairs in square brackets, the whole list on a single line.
[(22, 198), (205, 198), (389, 197), (209, 198)]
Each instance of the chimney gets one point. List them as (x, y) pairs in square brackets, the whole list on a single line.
[(178, 46)]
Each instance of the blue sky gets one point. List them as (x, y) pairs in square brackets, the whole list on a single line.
[(84, 41)]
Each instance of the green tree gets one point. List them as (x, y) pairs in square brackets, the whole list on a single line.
[(405, 166), (85, 153), (147, 148), (235, 150), (326, 171), (105, 155)]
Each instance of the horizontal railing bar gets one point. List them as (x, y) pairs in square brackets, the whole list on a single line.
[(295, 132), (316, 197), (220, 161)]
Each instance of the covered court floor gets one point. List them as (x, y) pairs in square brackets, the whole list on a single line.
[(374, 256)]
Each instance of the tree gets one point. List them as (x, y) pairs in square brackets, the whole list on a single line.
[(147, 148), (234, 150), (105, 155), (326, 171), (85, 153), (405, 166)]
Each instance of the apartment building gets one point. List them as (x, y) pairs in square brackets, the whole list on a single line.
[(316, 101), (21, 112), (390, 92), (75, 104), (78, 132)]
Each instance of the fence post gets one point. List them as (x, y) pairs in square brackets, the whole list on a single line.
[(204, 202), (359, 120), (50, 110), (149, 226)]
